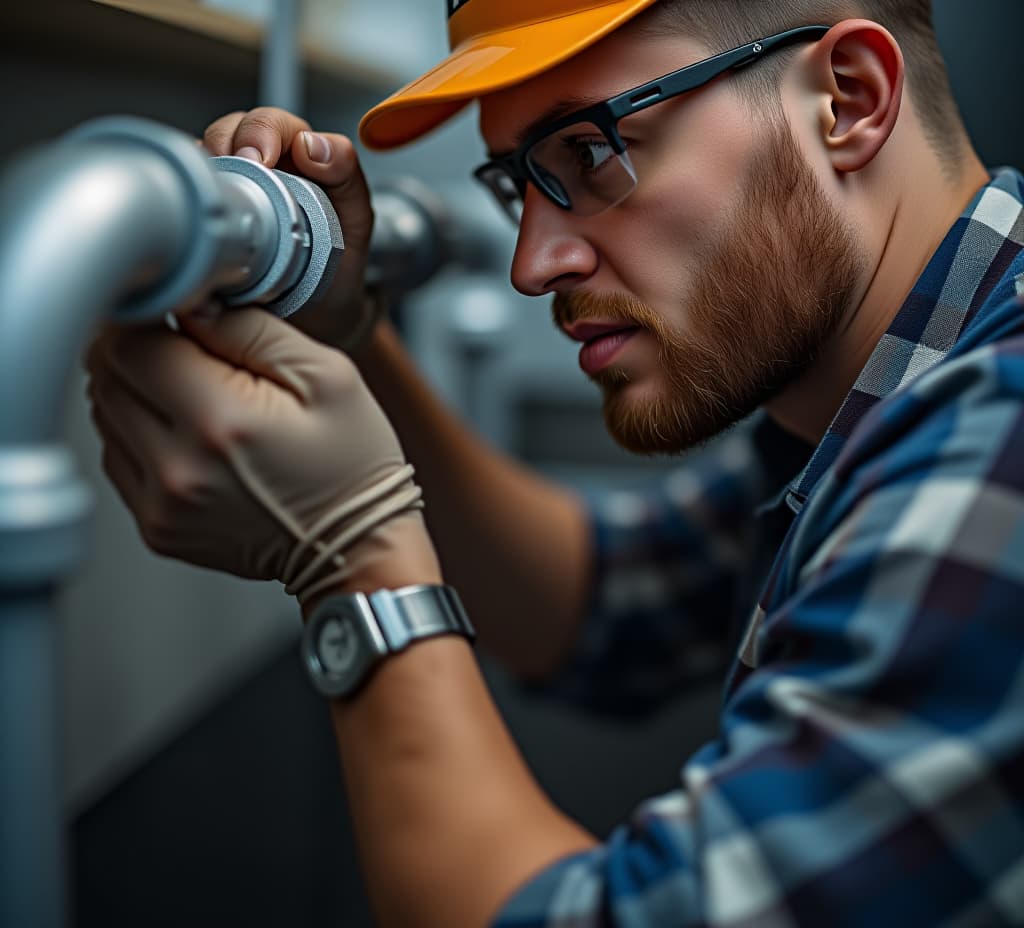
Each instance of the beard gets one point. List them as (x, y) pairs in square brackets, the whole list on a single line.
[(765, 300)]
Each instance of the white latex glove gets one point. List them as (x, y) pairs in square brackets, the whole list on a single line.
[(245, 446)]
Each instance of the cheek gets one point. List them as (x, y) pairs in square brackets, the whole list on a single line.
[(691, 187)]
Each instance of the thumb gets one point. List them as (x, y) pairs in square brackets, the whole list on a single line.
[(256, 341), (330, 160)]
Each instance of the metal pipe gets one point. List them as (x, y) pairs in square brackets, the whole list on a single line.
[(123, 218), (82, 228), (281, 81), (32, 861)]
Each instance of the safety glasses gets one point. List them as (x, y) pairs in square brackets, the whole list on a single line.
[(580, 163)]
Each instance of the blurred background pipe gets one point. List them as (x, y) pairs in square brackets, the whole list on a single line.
[(281, 76)]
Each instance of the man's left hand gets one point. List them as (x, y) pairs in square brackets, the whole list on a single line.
[(245, 446)]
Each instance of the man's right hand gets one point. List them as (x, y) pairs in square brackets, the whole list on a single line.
[(277, 139)]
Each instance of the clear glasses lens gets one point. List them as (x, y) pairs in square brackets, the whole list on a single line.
[(581, 170), (505, 190)]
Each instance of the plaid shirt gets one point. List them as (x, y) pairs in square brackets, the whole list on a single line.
[(869, 767)]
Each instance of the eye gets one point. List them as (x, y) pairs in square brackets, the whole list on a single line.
[(589, 153)]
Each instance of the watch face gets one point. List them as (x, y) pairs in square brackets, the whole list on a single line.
[(340, 645), (337, 645), (349, 634)]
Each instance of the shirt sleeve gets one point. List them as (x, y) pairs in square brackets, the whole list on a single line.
[(869, 767), (666, 561)]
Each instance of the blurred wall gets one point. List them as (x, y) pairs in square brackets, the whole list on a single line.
[(146, 644)]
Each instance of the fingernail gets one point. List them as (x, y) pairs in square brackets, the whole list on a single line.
[(317, 147), (250, 153)]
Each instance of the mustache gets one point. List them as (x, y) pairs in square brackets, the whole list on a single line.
[(569, 308)]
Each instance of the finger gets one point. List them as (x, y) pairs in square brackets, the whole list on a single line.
[(120, 465), (264, 133), (330, 160), (143, 434), (116, 363), (218, 139), (157, 382), (123, 477), (203, 386), (257, 342)]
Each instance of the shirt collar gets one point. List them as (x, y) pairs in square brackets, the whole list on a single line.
[(956, 282)]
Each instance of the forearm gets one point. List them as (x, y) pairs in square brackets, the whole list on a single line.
[(448, 820), (516, 547)]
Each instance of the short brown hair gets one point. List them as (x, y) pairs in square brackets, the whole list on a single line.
[(723, 24)]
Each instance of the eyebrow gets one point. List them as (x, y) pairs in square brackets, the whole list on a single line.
[(556, 111)]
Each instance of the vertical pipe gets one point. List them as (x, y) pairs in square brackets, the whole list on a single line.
[(281, 82), (32, 864), (82, 227)]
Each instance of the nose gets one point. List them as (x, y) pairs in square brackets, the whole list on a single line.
[(551, 254)]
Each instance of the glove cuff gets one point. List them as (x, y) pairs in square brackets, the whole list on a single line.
[(317, 562)]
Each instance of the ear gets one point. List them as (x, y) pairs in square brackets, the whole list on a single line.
[(860, 70)]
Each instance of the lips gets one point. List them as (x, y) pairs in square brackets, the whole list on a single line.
[(589, 331), (601, 343)]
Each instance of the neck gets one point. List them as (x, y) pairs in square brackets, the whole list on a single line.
[(914, 228)]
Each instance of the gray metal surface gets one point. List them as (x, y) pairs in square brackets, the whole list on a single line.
[(411, 235), (325, 246), (281, 78), (290, 235), (32, 850), (198, 245), (77, 236)]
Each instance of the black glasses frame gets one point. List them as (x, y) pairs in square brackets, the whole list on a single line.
[(517, 167)]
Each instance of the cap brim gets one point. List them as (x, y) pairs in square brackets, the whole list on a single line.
[(484, 64)]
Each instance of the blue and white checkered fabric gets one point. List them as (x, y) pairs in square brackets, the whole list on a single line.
[(869, 768)]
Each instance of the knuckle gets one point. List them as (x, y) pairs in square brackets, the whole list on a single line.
[(219, 133), (275, 117), (343, 377), (266, 119), (220, 433), (257, 121), (267, 114), (178, 481)]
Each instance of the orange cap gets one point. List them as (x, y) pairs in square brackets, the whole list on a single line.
[(495, 44)]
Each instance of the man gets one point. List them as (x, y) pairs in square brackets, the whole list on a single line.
[(800, 226)]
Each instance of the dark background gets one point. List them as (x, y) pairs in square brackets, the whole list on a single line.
[(241, 819)]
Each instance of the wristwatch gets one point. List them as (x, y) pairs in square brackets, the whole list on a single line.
[(349, 634)]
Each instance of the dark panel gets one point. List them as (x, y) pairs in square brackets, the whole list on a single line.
[(981, 42), (240, 821)]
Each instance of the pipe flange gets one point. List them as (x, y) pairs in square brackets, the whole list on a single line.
[(44, 511), (293, 234), (328, 244)]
